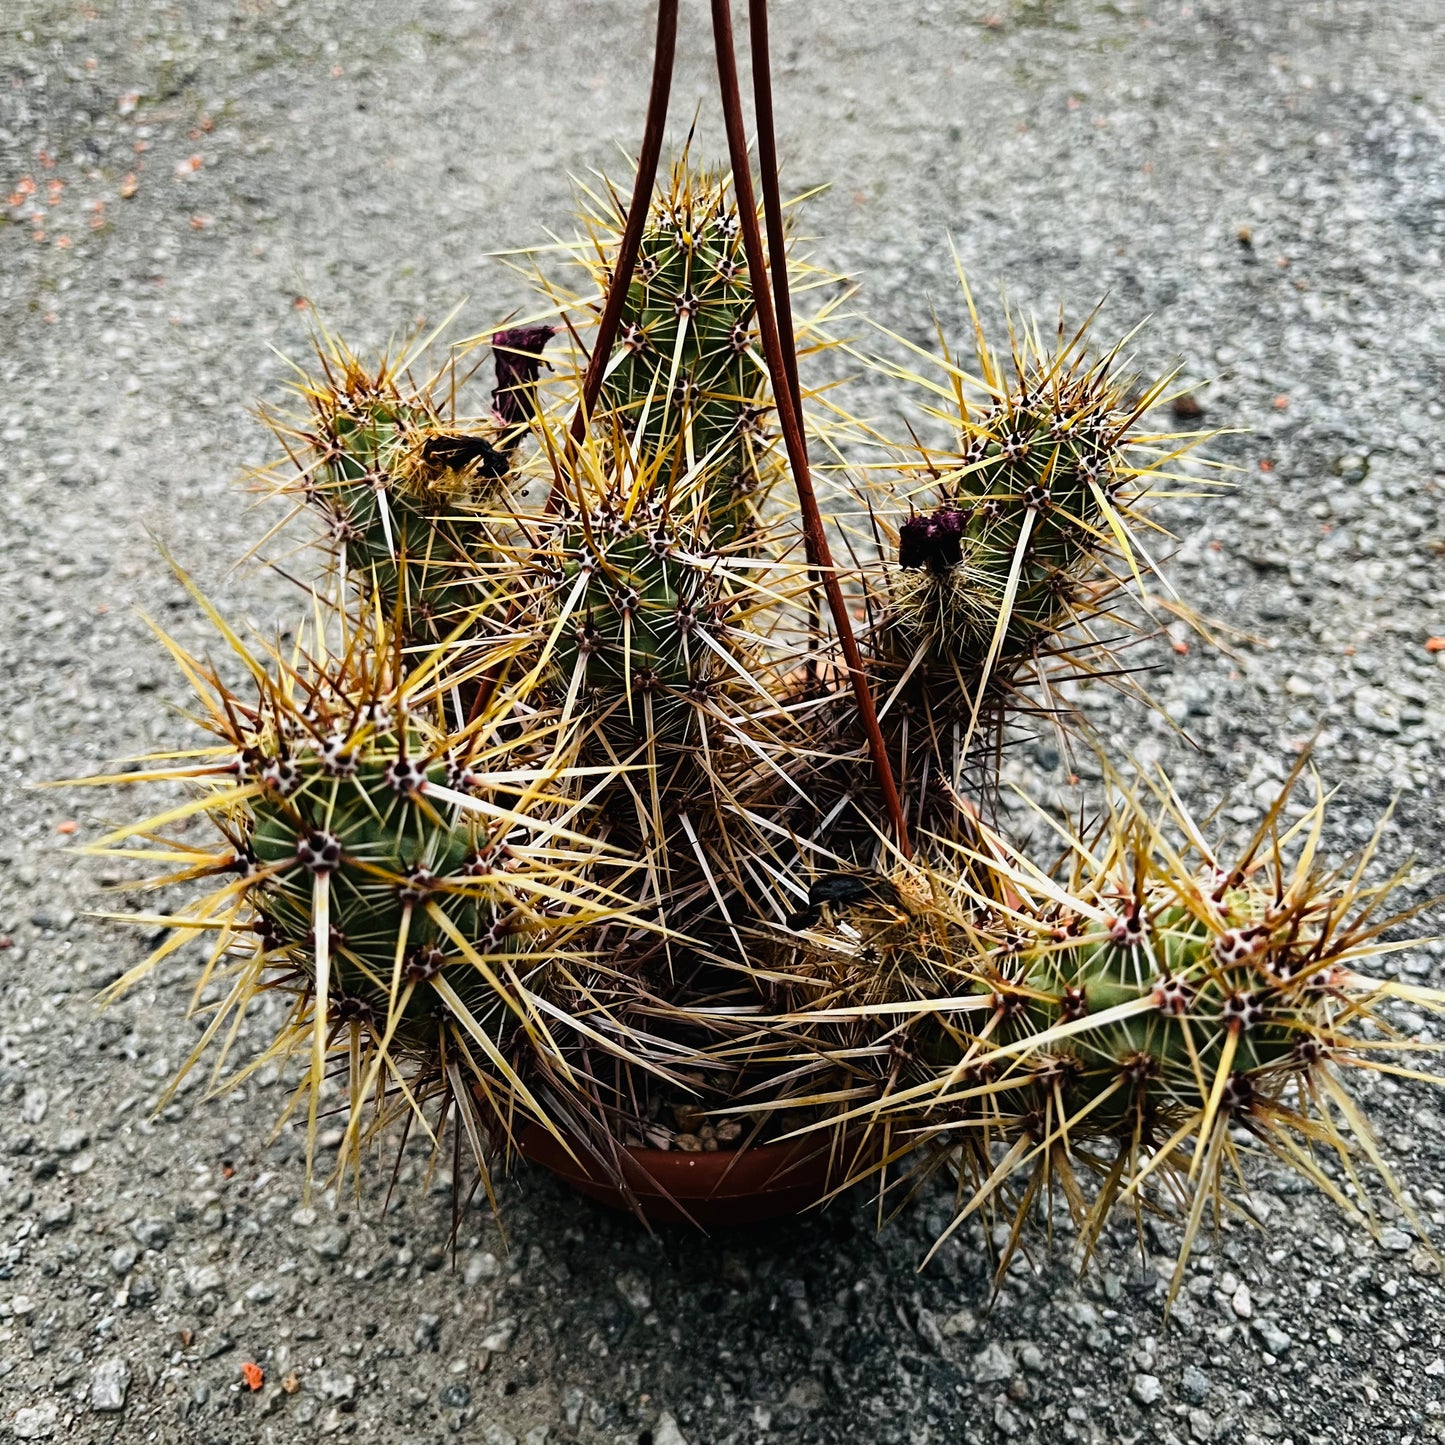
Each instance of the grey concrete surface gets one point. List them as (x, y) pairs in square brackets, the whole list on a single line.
[(199, 166)]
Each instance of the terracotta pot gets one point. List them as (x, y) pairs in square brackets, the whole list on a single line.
[(709, 1191)]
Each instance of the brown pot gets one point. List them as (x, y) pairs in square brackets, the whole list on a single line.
[(709, 1191)]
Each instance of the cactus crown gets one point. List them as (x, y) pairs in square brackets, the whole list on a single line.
[(687, 381)]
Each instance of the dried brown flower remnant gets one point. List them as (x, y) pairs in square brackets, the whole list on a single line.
[(518, 353)]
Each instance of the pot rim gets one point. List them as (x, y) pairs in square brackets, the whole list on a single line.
[(705, 1189)]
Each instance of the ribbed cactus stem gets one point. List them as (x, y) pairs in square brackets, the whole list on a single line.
[(685, 387), (1129, 1018), (640, 606), (1207, 1006), (394, 483), (406, 873), (1027, 516)]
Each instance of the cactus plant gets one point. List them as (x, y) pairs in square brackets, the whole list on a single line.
[(1013, 577), (529, 842)]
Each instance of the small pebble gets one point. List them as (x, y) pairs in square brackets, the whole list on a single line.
[(635, 1290), (57, 1217), (1146, 1389), (336, 1384), (330, 1242), (143, 1289), (109, 1381), (499, 1337), (36, 1422), (688, 1117), (479, 1267), (1272, 1337), (666, 1431), (201, 1279), (154, 1231), (992, 1365)]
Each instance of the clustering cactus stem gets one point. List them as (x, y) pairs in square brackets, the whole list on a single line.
[(1027, 563), (394, 476), (688, 389), (1140, 1017), (640, 610), (409, 884)]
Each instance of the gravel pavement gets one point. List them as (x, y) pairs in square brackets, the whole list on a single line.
[(1264, 180)]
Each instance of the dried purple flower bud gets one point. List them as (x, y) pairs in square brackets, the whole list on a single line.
[(932, 540), (518, 355)]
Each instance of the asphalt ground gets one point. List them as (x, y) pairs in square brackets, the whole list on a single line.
[(190, 186)]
